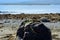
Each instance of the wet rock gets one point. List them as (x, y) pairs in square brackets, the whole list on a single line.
[(43, 19), (34, 31)]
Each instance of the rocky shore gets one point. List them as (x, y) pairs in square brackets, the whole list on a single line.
[(9, 27)]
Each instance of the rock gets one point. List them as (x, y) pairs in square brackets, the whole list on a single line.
[(34, 31), (43, 19)]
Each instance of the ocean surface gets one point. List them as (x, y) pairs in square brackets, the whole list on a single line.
[(31, 8)]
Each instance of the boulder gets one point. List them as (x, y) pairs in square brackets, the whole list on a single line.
[(34, 31)]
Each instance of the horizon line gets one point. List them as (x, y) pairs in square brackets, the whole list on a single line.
[(25, 4)]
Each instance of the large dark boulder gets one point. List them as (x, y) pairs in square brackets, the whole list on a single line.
[(34, 31)]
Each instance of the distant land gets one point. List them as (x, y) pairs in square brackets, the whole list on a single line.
[(30, 3)]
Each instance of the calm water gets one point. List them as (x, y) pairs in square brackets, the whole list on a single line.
[(53, 25), (14, 22)]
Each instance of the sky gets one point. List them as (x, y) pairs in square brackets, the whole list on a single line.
[(54, 6), (31, 1)]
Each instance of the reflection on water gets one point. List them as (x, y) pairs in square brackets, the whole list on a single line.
[(10, 22), (10, 28), (52, 25)]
